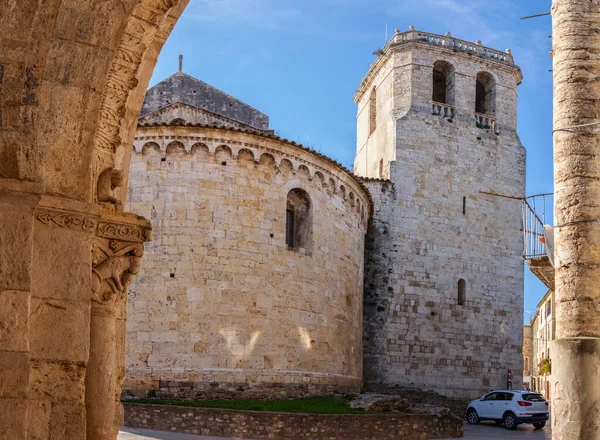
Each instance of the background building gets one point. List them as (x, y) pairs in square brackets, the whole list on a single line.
[(544, 332), (527, 356), (444, 268), (253, 284)]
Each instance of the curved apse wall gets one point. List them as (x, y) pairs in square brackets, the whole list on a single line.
[(225, 301)]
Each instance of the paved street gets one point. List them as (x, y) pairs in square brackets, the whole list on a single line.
[(147, 434), (490, 431), (483, 431)]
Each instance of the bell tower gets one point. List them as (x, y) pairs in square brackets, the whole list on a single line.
[(436, 137)]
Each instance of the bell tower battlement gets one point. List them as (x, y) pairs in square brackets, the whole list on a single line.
[(439, 78)]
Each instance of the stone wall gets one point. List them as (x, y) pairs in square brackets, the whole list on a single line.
[(434, 226), (221, 304), (284, 426)]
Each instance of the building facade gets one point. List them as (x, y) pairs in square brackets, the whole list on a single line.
[(253, 282), (444, 270), (527, 356), (544, 332), (259, 281)]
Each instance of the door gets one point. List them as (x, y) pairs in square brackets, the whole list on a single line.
[(501, 405), (487, 406)]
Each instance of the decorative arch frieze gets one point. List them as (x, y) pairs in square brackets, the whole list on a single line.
[(299, 166)]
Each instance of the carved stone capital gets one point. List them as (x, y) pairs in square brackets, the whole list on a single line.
[(117, 249)]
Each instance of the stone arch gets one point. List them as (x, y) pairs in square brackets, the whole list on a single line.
[(286, 166), (200, 149), (150, 148), (89, 60), (223, 154), (351, 199), (298, 221), (485, 93), (175, 148), (267, 159), (303, 171), (75, 89), (343, 192), (443, 83), (244, 154), (320, 178), (178, 121), (332, 185)]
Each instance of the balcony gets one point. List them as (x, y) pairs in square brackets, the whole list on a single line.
[(444, 110), (538, 252), (486, 122)]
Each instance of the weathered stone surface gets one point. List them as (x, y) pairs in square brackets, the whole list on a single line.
[(380, 403), (576, 351), (433, 227), (14, 321), (221, 299), (13, 419), (280, 426), (14, 371), (38, 419), (51, 379), (59, 330)]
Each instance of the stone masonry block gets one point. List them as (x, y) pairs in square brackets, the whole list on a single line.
[(13, 416), (59, 330), (14, 370), (57, 380), (14, 318)]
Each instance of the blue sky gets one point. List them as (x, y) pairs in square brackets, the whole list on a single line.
[(300, 62)]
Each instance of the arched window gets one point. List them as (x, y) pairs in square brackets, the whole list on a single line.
[(485, 94), (298, 222), (462, 292), (443, 83), (373, 110)]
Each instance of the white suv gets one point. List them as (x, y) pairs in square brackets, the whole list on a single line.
[(509, 407)]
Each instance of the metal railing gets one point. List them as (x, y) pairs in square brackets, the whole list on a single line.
[(534, 218)]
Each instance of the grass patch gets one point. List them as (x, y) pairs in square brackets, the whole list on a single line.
[(310, 405)]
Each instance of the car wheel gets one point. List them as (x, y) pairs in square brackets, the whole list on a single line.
[(539, 425), (472, 417), (510, 421)]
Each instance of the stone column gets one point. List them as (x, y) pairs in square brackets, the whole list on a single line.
[(117, 253), (64, 270), (576, 352), (17, 206)]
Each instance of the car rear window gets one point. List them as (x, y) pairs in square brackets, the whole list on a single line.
[(534, 397)]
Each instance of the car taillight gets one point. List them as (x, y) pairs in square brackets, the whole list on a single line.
[(546, 403), (523, 403)]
